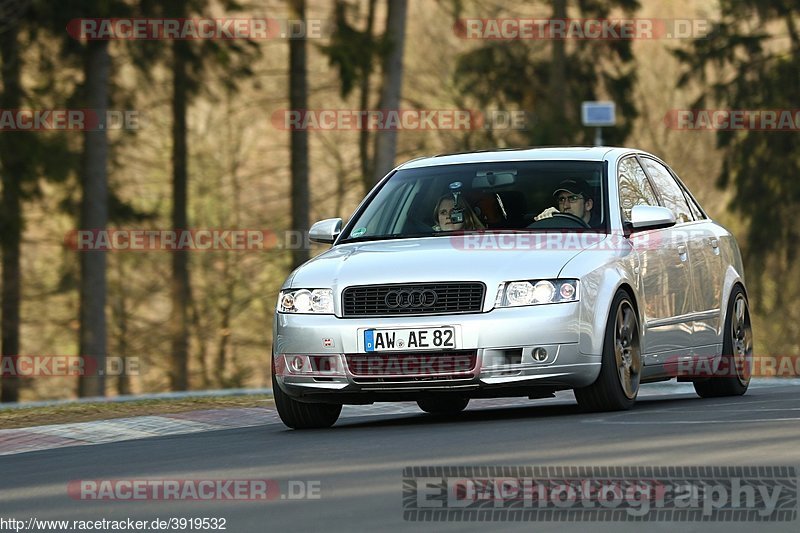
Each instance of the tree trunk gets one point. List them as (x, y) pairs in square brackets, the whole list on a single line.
[(298, 99), (181, 292), (121, 318), (558, 81), (224, 340), (94, 216), (363, 136), (13, 169), (386, 140), (202, 345)]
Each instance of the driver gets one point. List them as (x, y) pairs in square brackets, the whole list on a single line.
[(573, 197)]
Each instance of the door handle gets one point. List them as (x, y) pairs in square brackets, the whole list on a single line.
[(714, 242), (681, 249)]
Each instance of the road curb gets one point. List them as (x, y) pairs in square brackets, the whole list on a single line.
[(37, 438), (224, 393)]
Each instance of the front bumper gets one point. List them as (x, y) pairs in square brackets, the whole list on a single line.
[(503, 342)]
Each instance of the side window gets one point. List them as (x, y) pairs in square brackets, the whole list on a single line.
[(694, 206), (634, 188), (670, 191)]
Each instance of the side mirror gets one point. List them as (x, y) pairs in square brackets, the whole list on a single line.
[(325, 231), (651, 217)]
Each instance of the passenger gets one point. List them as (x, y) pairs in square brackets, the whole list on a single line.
[(444, 211)]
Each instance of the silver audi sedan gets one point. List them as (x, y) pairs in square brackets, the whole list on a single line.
[(513, 273)]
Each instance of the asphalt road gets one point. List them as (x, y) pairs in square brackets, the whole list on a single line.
[(358, 465)]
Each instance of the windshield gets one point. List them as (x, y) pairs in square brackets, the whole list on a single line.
[(516, 196)]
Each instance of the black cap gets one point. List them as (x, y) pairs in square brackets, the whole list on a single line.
[(574, 186)]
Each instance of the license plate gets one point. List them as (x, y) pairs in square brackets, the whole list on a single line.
[(388, 340)]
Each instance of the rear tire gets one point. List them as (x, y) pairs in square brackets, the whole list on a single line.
[(300, 415), (617, 385), (733, 375), (443, 405)]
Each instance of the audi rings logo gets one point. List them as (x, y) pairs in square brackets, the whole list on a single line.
[(405, 299)]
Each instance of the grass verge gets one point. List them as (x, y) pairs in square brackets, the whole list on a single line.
[(87, 412)]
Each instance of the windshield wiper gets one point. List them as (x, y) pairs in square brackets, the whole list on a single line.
[(393, 236)]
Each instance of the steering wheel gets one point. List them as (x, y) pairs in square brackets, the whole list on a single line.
[(547, 223)]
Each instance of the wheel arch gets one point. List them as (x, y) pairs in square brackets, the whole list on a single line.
[(731, 281), (598, 311)]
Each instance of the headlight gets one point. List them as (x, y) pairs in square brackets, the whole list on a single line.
[(306, 301), (535, 292)]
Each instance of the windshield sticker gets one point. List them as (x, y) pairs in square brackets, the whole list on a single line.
[(358, 232)]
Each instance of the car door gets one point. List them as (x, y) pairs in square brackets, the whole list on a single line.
[(663, 270), (705, 261)]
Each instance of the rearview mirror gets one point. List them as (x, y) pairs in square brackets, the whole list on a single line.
[(488, 179), (325, 231), (651, 217)]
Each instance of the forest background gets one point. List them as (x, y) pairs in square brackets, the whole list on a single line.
[(207, 149)]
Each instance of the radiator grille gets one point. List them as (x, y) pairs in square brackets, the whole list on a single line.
[(413, 299)]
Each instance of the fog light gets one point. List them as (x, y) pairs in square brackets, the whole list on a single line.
[(296, 364), (539, 354)]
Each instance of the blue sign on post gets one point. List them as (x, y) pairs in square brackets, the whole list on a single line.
[(598, 114)]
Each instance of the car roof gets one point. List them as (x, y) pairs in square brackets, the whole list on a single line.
[(573, 153)]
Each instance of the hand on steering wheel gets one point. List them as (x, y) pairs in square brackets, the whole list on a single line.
[(547, 213)]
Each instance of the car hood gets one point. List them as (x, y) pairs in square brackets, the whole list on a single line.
[(490, 258)]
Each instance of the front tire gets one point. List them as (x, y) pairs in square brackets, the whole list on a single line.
[(733, 375), (300, 415), (617, 385)]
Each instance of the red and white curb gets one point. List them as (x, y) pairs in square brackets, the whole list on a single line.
[(13, 441)]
